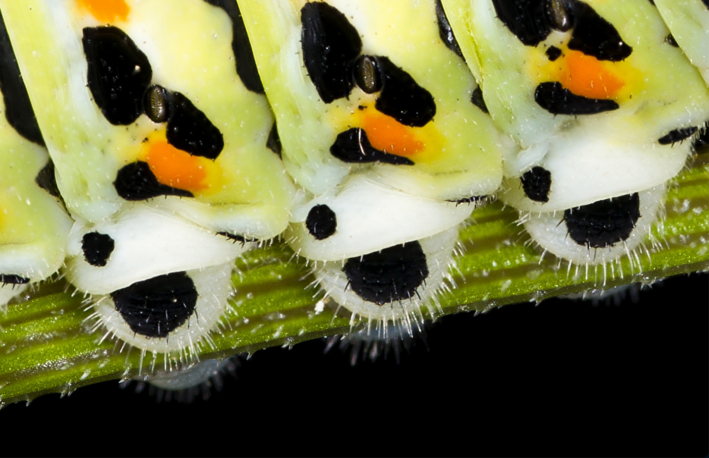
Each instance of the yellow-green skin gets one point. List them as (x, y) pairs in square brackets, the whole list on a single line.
[(462, 155), (189, 48)]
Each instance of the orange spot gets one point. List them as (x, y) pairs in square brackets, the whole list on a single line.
[(176, 168), (387, 135), (588, 77), (106, 10)]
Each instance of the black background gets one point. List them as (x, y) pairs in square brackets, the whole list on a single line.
[(561, 378)]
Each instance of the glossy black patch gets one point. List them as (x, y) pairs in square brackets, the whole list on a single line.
[(536, 184), (670, 40), (97, 248), (245, 62), (136, 181), (119, 73), (366, 74), (353, 146), (47, 180), (321, 222), (478, 100), (677, 135), (274, 141), (190, 130), (553, 53), (330, 47), (603, 223), (445, 31), (594, 36), (156, 103), (390, 275), (526, 19), (18, 109), (402, 98), (158, 306), (556, 99), (13, 279)]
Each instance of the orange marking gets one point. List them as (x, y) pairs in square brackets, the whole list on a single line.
[(176, 168), (106, 10), (588, 77), (386, 134)]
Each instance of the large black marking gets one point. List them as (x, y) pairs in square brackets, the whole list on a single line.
[(18, 109), (321, 222), (190, 130), (97, 248), (353, 146), (274, 141), (603, 223), (556, 99), (677, 135), (536, 184), (330, 47), (136, 181), (594, 36), (390, 275), (158, 306), (47, 180), (245, 62), (402, 98), (13, 279), (478, 100), (445, 31), (526, 19), (119, 73)]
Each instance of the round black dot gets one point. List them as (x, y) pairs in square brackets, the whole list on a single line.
[(97, 248), (321, 222)]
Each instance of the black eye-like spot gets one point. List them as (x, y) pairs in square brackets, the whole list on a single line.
[(536, 184), (402, 98), (136, 181), (156, 103), (97, 248), (594, 36), (18, 109), (245, 62), (478, 100), (366, 74), (13, 279), (677, 135), (190, 130), (353, 146), (553, 53), (158, 306), (445, 31), (274, 141), (119, 73), (603, 223), (556, 99), (330, 47), (526, 19), (47, 180), (321, 222), (670, 40), (390, 275)]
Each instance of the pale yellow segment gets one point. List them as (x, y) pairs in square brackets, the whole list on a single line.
[(461, 156), (188, 44)]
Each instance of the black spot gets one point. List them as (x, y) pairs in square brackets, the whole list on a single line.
[(190, 130), (677, 135), (245, 62), (536, 184), (594, 36), (330, 47), (13, 279), (553, 53), (556, 99), (97, 248), (390, 275), (119, 73), (18, 109), (136, 181), (603, 223), (445, 31), (156, 103), (321, 222), (526, 19), (158, 306), (402, 98), (274, 141), (47, 180), (670, 40), (478, 100), (353, 146), (366, 74)]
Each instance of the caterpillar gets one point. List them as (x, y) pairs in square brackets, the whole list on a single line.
[(175, 149)]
